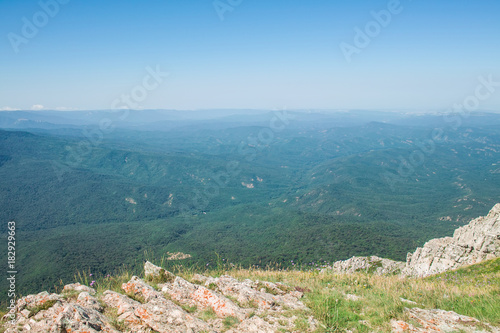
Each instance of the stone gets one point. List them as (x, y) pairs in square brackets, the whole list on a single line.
[(59, 317), (254, 324), (138, 287), (152, 271), (88, 301), (75, 318), (188, 293), (407, 301), (373, 264), (125, 308), (477, 241), (433, 321), (159, 313), (78, 287), (246, 294)]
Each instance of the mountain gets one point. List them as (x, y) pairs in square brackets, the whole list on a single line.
[(296, 301), (265, 188)]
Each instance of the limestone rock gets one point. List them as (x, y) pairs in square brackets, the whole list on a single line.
[(373, 264), (254, 324), (89, 301), (78, 287), (152, 271), (199, 296), (248, 293), (46, 312), (125, 308), (31, 302), (433, 321), (75, 318), (161, 314), (477, 241)]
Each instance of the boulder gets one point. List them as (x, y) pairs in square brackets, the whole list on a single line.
[(153, 272)]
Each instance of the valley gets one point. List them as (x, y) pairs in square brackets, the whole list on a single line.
[(323, 187)]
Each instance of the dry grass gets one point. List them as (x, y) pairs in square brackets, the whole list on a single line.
[(472, 291)]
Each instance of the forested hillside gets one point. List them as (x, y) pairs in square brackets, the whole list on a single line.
[(255, 189)]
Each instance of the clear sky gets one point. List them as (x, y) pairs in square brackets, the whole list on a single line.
[(265, 54)]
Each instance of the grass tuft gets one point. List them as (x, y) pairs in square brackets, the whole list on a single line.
[(45, 306)]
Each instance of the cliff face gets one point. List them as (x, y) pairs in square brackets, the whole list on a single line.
[(477, 241)]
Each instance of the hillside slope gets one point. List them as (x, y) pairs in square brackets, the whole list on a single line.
[(240, 300), (322, 299)]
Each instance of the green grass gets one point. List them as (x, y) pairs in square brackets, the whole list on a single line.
[(105, 282), (208, 314), (189, 308), (45, 306), (115, 322), (230, 321), (472, 291), (136, 297)]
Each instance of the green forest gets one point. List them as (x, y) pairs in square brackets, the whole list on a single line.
[(316, 189)]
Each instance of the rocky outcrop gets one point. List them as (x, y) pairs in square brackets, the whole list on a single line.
[(373, 264), (203, 298), (167, 303), (46, 312), (434, 321), (477, 241)]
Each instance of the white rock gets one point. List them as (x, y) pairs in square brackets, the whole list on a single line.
[(477, 241)]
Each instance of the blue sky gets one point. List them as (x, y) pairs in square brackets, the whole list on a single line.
[(269, 54)]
